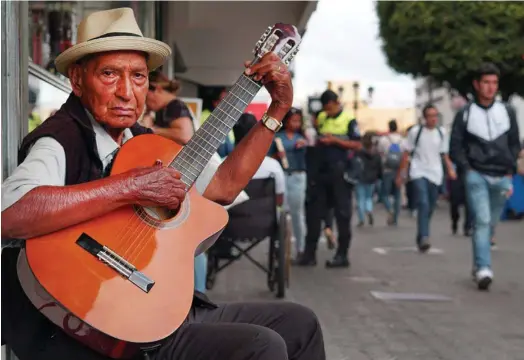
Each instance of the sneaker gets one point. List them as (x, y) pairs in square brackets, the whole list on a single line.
[(338, 262), (391, 220), (360, 224), (370, 219), (424, 245), (454, 228), (484, 278)]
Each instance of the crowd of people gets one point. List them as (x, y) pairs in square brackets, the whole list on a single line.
[(473, 166)]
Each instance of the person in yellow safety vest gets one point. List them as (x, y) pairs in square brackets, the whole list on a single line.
[(228, 145), (327, 179)]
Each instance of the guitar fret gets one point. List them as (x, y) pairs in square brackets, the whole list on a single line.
[(207, 132), (235, 95), (190, 166), (194, 157), (251, 81), (223, 134), (245, 90), (186, 183), (210, 153), (222, 111)]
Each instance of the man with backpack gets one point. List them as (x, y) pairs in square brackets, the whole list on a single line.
[(390, 148), (485, 145), (428, 147)]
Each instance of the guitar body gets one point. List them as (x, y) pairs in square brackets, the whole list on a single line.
[(72, 275)]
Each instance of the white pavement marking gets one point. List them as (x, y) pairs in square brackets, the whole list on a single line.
[(380, 251), (392, 296), (386, 250)]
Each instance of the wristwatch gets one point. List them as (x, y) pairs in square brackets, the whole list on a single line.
[(271, 123)]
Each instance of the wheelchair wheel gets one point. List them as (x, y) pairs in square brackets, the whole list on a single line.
[(212, 266), (272, 264), (282, 268)]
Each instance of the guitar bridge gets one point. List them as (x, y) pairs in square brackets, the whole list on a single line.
[(116, 262)]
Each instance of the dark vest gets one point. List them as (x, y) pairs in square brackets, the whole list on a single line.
[(23, 327)]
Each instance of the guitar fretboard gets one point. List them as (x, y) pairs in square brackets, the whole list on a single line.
[(194, 157)]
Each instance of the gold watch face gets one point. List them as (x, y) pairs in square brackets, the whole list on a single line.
[(271, 123)]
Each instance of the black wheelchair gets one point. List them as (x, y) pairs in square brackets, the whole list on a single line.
[(250, 223)]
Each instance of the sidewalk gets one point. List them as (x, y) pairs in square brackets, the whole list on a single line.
[(464, 324)]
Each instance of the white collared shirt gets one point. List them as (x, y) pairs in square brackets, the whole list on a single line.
[(45, 164)]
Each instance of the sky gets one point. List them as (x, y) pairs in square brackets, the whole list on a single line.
[(341, 43)]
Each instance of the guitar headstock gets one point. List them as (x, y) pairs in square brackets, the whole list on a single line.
[(282, 39)]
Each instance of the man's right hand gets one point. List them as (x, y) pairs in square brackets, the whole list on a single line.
[(156, 186), (399, 181)]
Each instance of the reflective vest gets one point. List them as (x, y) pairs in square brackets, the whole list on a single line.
[(333, 126), (205, 115)]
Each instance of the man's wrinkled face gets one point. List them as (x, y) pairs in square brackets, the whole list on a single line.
[(112, 86), (487, 86)]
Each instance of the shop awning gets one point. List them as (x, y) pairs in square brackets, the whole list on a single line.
[(213, 39)]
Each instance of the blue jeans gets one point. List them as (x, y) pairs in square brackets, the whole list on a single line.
[(364, 199), (296, 198), (391, 189), (200, 272), (379, 188), (486, 200), (426, 195)]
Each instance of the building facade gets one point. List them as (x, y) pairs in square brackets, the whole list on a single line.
[(370, 117), (210, 41)]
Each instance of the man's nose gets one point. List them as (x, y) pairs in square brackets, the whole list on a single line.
[(124, 89)]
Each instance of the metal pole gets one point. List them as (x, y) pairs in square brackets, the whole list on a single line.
[(15, 117)]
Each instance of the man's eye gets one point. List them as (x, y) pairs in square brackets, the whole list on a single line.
[(108, 73), (140, 76)]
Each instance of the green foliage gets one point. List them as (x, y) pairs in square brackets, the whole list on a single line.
[(449, 40)]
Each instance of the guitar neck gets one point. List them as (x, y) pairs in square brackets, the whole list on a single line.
[(194, 157)]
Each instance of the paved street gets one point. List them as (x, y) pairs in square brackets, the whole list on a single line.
[(464, 324)]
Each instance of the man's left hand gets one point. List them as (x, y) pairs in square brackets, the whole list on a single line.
[(327, 139), (272, 72), (452, 175)]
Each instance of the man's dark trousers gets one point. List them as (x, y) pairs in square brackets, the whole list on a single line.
[(327, 188)]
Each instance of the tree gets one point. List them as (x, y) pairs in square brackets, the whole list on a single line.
[(449, 40)]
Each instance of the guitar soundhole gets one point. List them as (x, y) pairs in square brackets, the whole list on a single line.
[(161, 213), (161, 217)]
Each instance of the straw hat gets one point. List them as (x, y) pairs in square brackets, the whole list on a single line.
[(111, 30)]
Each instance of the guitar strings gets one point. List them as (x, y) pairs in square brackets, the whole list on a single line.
[(139, 240), (143, 240), (122, 232), (245, 97)]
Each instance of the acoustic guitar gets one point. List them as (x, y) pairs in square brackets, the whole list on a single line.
[(123, 282)]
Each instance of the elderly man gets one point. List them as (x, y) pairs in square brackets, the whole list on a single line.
[(61, 181)]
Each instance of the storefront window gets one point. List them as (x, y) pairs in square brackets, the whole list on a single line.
[(52, 30), (46, 95), (53, 24)]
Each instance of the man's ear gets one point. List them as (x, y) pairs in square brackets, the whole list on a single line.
[(476, 84), (75, 78)]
